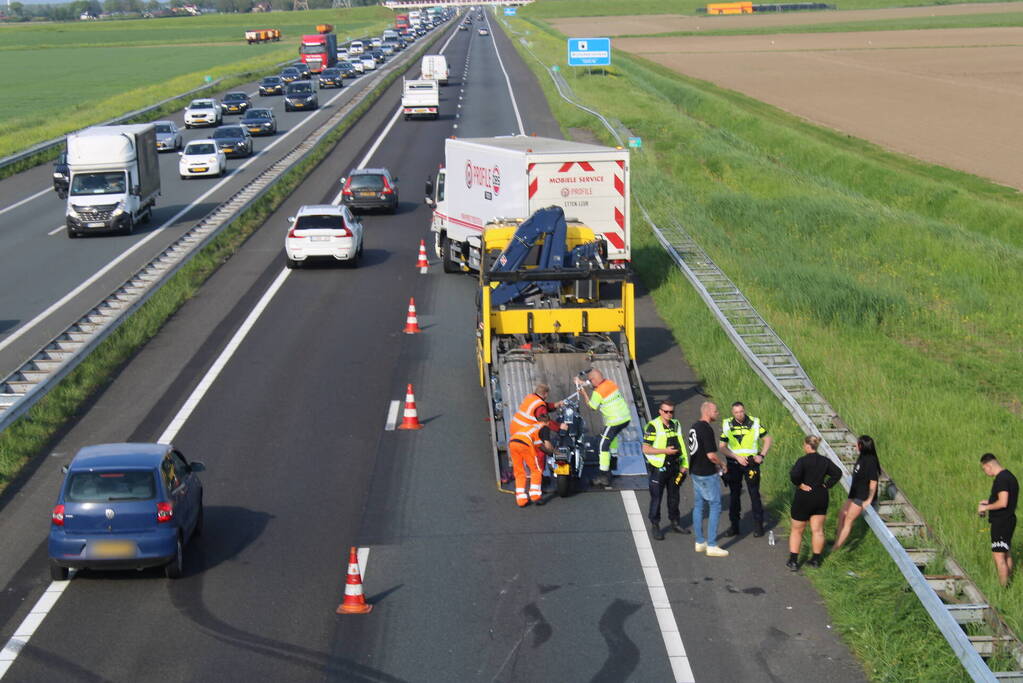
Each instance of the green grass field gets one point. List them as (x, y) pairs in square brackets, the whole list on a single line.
[(922, 23), (69, 76), (553, 9), (892, 281)]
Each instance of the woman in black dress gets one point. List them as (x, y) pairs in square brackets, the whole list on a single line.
[(813, 475), (863, 491)]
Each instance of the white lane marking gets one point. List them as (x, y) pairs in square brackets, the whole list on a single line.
[(27, 199), (211, 375), (677, 656), (57, 229), (46, 602), (43, 606), (363, 556), (24, 329), (29, 624), (392, 416), (511, 93)]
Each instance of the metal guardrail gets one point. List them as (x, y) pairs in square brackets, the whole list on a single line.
[(20, 390), (951, 600), (56, 142)]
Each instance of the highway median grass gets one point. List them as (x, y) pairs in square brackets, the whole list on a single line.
[(891, 280), (31, 435), (94, 72)]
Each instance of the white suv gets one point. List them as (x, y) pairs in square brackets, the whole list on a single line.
[(323, 231), (205, 112)]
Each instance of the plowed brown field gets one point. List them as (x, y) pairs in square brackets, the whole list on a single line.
[(667, 23), (947, 96)]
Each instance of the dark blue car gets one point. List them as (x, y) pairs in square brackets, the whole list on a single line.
[(126, 506)]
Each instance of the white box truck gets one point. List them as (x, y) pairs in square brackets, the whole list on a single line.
[(420, 98), (511, 177), (115, 178), (435, 68)]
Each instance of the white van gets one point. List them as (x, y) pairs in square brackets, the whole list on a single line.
[(435, 68), (356, 47)]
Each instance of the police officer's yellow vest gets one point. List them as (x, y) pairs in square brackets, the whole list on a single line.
[(750, 443), (661, 436)]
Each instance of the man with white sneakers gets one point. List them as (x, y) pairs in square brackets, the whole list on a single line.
[(704, 465)]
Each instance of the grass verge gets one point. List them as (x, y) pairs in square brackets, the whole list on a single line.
[(31, 435), (885, 275)]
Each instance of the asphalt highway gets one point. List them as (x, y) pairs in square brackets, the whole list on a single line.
[(47, 280), (465, 586)]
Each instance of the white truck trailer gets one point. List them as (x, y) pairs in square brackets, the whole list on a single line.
[(435, 67), (115, 178), (420, 98), (511, 177)]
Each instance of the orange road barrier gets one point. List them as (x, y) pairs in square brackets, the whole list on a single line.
[(410, 419), (422, 264), (411, 321), (354, 601)]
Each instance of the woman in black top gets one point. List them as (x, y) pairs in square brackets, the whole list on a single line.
[(813, 475), (863, 490)]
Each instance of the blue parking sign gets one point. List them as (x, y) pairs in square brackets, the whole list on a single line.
[(589, 52)]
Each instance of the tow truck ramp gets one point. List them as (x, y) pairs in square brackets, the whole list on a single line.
[(550, 306)]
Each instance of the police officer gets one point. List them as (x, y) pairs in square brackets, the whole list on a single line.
[(608, 399), (745, 441), (666, 465)]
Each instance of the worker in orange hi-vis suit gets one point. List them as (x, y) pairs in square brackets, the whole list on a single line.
[(527, 449), (533, 405)]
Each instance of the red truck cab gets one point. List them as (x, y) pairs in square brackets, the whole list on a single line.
[(318, 51)]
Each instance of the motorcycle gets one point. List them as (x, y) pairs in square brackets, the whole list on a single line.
[(572, 449)]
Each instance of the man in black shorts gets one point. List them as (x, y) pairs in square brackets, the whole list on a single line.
[(1000, 508)]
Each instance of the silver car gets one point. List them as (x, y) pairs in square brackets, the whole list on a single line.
[(168, 136)]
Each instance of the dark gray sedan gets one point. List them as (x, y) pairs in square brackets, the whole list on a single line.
[(233, 141), (259, 122)]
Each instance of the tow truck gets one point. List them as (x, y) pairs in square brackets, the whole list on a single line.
[(549, 306)]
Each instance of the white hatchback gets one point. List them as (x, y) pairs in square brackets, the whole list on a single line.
[(368, 64), (323, 231), (202, 158)]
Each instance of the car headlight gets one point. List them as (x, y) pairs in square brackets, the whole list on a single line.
[(72, 211), (119, 209)]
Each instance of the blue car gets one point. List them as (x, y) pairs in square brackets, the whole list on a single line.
[(126, 506)]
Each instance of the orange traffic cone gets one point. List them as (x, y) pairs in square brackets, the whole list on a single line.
[(354, 601), (411, 321), (410, 419), (422, 264)]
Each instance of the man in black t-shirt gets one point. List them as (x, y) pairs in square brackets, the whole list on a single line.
[(704, 464), (1000, 508)]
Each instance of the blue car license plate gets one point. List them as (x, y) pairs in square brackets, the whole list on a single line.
[(112, 550)]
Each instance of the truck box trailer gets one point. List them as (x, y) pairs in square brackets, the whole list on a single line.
[(114, 178), (511, 177), (420, 98)]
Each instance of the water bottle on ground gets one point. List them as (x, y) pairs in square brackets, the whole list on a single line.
[(770, 537)]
